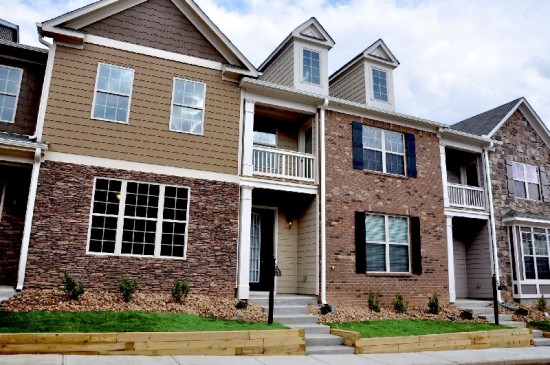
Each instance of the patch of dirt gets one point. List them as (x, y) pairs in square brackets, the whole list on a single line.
[(350, 313), (56, 300)]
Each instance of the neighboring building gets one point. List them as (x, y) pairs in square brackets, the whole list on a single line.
[(21, 75), (519, 165)]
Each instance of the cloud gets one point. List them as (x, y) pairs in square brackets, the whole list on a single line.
[(458, 58)]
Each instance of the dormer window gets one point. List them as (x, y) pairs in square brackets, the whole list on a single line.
[(311, 67), (379, 84)]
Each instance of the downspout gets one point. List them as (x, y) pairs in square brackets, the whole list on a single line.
[(322, 174), (491, 214)]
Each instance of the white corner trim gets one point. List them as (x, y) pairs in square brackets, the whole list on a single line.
[(148, 51), (45, 93), (140, 167)]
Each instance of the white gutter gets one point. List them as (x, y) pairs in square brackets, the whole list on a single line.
[(323, 203), (491, 214), (28, 219)]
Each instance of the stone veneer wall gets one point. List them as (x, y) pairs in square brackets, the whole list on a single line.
[(60, 230), (12, 221), (350, 190), (521, 143)]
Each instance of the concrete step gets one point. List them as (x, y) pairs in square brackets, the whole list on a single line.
[(294, 319), (482, 311), (280, 300), (6, 292), (323, 340), (513, 324), (501, 317), (287, 309), (541, 341), (330, 350), (311, 328), (537, 333)]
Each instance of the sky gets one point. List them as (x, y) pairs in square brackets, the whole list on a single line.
[(458, 58)]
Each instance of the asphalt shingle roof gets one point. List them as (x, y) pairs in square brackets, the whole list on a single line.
[(482, 124)]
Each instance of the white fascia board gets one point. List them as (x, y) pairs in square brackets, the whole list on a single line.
[(153, 52), (464, 141), (510, 113), (140, 167), (46, 30), (279, 185), (466, 214), (262, 87), (22, 145), (72, 15), (534, 222), (101, 12), (382, 44), (536, 122), (17, 160), (282, 102)]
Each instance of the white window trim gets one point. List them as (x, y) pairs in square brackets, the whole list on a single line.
[(371, 76), (530, 230), (16, 95), (120, 221), (387, 244), (3, 184), (113, 93), (186, 106), (525, 182), (302, 78), (384, 151)]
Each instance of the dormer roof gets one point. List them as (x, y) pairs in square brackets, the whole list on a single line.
[(311, 31), (67, 28), (378, 51)]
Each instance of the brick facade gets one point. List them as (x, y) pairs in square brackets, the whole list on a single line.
[(60, 231), (521, 143), (350, 190)]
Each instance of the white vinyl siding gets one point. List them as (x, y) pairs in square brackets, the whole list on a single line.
[(387, 243), (138, 219), (10, 84), (113, 90), (188, 100)]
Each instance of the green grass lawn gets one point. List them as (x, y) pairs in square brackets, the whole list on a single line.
[(411, 327), (58, 322), (540, 325)]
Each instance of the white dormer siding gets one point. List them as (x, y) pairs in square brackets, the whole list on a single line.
[(301, 60), (368, 78)]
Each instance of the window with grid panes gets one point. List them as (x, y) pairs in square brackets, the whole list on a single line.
[(311, 67), (188, 106), (379, 84), (535, 248), (137, 218), (112, 93), (526, 181), (387, 243), (383, 150), (10, 82)]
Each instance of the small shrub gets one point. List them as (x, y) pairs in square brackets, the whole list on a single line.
[(399, 303), (242, 304), (374, 301), (180, 290), (127, 287), (326, 309), (71, 287), (467, 314), (541, 303), (433, 304)]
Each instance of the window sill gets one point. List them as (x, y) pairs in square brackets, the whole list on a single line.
[(385, 174), (390, 274), (102, 254)]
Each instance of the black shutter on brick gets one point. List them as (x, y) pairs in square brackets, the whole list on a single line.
[(411, 154), (360, 246), (545, 188), (416, 252), (510, 177), (357, 139)]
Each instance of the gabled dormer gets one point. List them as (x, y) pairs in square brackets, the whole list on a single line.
[(367, 78), (301, 60)]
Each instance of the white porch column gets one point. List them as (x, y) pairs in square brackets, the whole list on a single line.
[(248, 135), (245, 213), (443, 157), (451, 259)]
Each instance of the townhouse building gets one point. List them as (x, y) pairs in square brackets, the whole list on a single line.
[(21, 74)]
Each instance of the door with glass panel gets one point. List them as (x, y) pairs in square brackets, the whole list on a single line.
[(261, 248)]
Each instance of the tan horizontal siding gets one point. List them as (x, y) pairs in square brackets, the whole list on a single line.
[(146, 138)]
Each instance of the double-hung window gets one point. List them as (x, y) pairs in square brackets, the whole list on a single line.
[(387, 243), (188, 106), (535, 244), (526, 181), (311, 67), (379, 84), (383, 151), (10, 82), (137, 218), (113, 90)]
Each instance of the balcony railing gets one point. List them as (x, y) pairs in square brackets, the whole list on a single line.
[(283, 164), (466, 196)]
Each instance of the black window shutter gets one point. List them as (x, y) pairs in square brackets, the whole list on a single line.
[(357, 139), (411, 154), (510, 176), (360, 246), (416, 252), (545, 188)]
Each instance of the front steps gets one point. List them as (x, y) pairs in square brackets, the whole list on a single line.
[(539, 340), (6, 292), (291, 310), (481, 309)]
